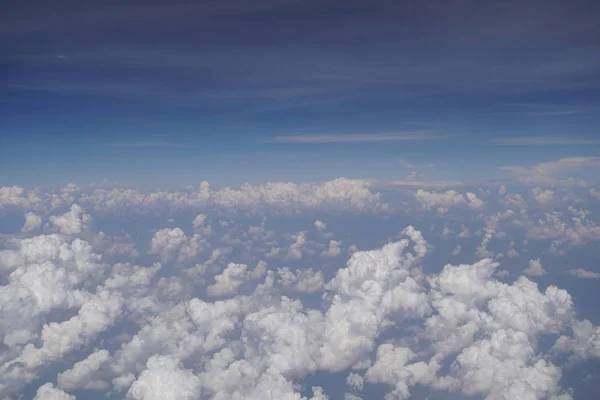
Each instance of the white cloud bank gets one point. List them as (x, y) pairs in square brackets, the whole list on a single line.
[(261, 344), (201, 316)]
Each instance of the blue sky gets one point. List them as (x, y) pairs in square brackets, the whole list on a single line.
[(152, 95)]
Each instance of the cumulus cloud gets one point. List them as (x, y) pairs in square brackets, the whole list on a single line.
[(563, 231), (301, 280), (583, 344), (73, 222), (534, 268), (446, 200), (83, 373), (543, 197), (32, 222), (164, 378), (48, 392), (333, 250), (583, 273), (199, 224), (339, 194), (233, 277), (320, 225), (457, 250), (174, 244), (199, 315)]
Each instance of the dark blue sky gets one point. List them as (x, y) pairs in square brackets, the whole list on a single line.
[(152, 93)]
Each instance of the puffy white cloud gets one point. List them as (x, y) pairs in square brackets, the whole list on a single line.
[(446, 200), (515, 201), (355, 381), (543, 197), (381, 316), (594, 194), (333, 250), (583, 274), (339, 194), (350, 396), (534, 268), (429, 200), (301, 280), (320, 225), (504, 367), (32, 222), (47, 274), (457, 250), (475, 203), (464, 232), (493, 328), (82, 375), (199, 221), (570, 232), (73, 222), (491, 230), (48, 392), (16, 196), (584, 344), (374, 285), (392, 367), (233, 277), (165, 379), (199, 224), (295, 251), (174, 244), (511, 252)]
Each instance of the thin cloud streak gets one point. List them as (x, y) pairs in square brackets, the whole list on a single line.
[(359, 138), (542, 140)]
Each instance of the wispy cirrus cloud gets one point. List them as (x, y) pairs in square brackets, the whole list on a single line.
[(543, 140), (361, 138)]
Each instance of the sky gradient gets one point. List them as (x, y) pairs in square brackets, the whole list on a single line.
[(152, 94)]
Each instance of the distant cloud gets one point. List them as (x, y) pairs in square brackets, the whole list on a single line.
[(551, 171), (360, 138), (543, 140), (583, 274)]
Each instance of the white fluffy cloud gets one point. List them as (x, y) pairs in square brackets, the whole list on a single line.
[(165, 379), (301, 280), (333, 250), (543, 197), (72, 222), (446, 200), (233, 277), (583, 273), (83, 373), (374, 285), (339, 194), (32, 222), (320, 225), (48, 392), (534, 268), (174, 244), (198, 315)]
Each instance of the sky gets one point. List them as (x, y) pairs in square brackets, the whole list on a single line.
[(154, 94), (299, 200)]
